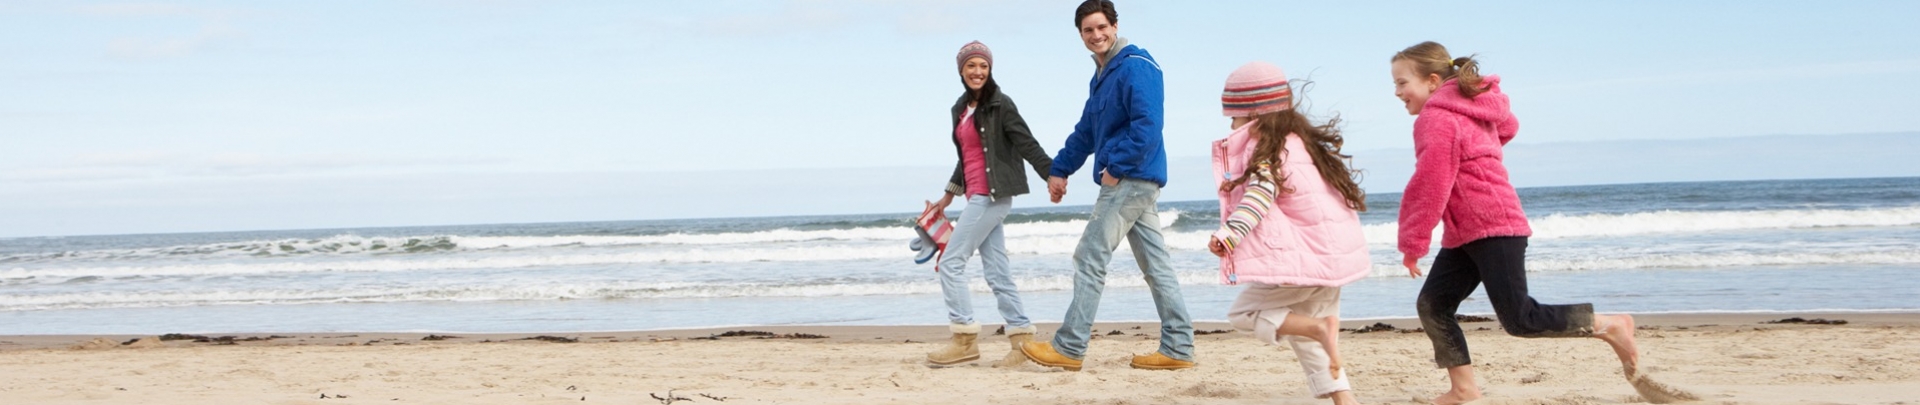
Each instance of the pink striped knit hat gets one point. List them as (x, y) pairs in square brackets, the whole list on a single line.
[(1256, 88), (973, 49)]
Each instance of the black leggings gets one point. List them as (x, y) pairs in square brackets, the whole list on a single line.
[(1500, 262)]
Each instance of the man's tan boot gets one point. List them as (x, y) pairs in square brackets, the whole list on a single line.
[(961, 349), (1016, 336), (1157, 361), (1042, 353)]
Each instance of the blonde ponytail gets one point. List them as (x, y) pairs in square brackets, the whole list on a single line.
[(1431, 58)]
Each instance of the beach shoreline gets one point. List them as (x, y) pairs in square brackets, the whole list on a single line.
[(1874, 358), (867, 333)]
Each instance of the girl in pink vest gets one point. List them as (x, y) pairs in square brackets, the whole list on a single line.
[(1464, 120), (1290, 228)]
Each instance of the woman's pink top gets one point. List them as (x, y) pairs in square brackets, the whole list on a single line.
[(973, 157)]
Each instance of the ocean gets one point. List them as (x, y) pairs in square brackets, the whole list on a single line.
[(1850, 245)]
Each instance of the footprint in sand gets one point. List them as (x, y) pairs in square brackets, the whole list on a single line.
[(96, 344), (1657, 392), (1211, 390)]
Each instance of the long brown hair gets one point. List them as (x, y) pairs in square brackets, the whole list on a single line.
[(1323, 142), (1431, 58)]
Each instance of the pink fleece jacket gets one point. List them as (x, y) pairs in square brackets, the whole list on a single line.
[(1307, 237), (1458, 177)]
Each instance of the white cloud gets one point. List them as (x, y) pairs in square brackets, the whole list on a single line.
[(215, 25), (154, 48), (949, 17), (126, 159), (139, 9), (73, 174), (792, 17), (1774, 74), (916, 17), (145, 165)]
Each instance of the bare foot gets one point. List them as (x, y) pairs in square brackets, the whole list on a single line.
[(1617, 331), (1456, 397), (1344, 398)]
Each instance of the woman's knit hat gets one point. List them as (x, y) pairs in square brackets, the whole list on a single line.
[(973, 49), (1256, 88)]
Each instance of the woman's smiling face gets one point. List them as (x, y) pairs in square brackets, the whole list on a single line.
[(974, 73)]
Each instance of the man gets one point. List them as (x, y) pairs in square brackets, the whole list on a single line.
[(1121, 126)]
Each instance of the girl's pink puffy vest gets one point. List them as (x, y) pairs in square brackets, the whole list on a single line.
[(1308, 238)]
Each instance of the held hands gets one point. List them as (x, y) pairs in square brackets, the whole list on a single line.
[(1413, 266), (1056, 188)]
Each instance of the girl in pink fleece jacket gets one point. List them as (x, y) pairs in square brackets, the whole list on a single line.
[(1289, 224), (1459, 179)]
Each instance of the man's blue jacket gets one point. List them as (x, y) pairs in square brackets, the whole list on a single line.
[(1121, 123)]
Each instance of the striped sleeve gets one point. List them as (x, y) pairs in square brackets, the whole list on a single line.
[(1253, 207)]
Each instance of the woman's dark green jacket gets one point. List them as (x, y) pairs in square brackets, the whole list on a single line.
[(1006, 140)]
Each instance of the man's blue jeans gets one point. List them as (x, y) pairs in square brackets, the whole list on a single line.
[(1126, 210)]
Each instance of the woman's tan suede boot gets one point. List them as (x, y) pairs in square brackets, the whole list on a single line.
[(1016, 336), (961, 349)]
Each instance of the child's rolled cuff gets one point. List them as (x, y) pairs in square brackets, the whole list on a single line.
[(1324, 384)]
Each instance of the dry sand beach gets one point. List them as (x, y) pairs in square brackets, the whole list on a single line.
[(1730, 359)]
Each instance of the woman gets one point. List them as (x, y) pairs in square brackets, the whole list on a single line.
[(988, 134)]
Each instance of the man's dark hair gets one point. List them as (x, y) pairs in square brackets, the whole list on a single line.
[(1089, 7)]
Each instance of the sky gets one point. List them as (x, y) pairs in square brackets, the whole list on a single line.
[(155, 117)]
